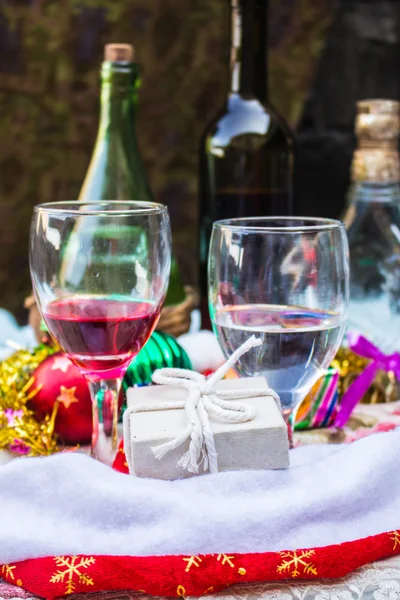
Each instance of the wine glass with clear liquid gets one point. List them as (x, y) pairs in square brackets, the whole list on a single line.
[(100, 274), (285, 280)]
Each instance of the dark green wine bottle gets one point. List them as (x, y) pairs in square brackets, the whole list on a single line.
[(116, 170)]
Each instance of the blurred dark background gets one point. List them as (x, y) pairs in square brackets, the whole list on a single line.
[(324, 56)]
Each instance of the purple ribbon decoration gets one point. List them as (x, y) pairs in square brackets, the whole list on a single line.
[(385, 362)]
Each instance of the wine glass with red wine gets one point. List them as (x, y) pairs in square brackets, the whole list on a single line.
[(286, 280), (100, 273)]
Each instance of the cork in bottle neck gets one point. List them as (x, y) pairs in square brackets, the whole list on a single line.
[(377, 127), (119, 53)]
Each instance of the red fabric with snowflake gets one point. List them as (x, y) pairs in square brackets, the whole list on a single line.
[(54, 577)]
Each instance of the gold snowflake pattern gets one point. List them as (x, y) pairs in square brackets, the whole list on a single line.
[(395, 537), (224, 559), (70, 572), (7, 571), (297, 563), (192, 561)]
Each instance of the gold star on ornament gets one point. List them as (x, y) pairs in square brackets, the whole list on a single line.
[(60, 363), (67, 396)]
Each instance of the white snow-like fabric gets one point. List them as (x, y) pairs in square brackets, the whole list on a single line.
[(203, 350), (71, 504)]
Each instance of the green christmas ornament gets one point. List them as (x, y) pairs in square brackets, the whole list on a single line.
[(162, 350)]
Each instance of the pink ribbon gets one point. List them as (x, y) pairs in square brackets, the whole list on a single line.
[(386, 362)]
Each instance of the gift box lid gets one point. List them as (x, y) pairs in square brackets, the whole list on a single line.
[(163, 424)]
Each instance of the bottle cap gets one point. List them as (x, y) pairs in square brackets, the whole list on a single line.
[(119, 52), (377, 128)]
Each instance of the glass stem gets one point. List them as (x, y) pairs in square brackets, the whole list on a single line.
[(105, 394), (290, 402)]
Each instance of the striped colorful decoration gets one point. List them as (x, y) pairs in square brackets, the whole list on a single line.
[(320, 406)]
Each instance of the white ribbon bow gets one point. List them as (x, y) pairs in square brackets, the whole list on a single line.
[(204, 400)]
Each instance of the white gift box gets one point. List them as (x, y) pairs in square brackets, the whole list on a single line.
[(259, 443)]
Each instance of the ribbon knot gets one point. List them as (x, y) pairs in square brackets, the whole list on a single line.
[(204, 399), (386, 362)]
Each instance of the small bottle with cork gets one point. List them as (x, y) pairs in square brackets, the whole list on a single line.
[(373, 225)]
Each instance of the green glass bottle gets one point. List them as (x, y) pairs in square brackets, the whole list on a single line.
[(116, 170)]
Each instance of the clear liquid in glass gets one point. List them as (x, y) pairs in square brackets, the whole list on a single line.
[(298, 344)]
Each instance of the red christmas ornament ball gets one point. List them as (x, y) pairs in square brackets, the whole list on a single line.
[(57, 378)]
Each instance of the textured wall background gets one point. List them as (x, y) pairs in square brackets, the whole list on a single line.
[(360, 60), (50, 52)]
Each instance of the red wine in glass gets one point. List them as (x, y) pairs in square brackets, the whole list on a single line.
[(100, 334)]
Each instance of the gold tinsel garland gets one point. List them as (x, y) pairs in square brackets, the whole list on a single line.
[(20, 432), (384, 388)]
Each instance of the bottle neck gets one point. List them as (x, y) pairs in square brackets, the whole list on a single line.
[(249, 74), (119, 84), (377, 193), (116, 170)]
